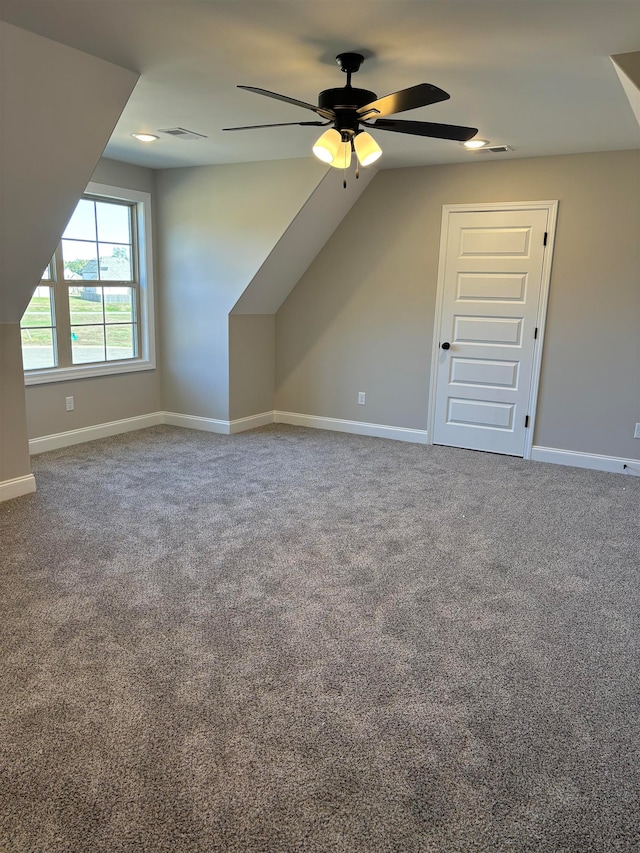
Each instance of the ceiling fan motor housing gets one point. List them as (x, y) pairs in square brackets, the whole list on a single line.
[(344, 102)]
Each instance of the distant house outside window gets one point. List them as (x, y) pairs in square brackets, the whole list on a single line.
[(92, 313)]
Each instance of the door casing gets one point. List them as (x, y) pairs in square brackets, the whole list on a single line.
[(552, 214)]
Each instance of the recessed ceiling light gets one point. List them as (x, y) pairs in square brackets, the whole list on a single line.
[(475, 143), (145, 137)]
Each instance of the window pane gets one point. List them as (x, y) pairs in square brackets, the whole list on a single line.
[(120, 342), (82, 225), (97, 263), (87, 344), (37, 349), (113, 222), (115, 262), (80, 260), (85, 305), (118, 304), (39, 311)]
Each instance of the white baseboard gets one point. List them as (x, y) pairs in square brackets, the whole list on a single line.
[(216, 425), (78, 436), (356, 427), (24, 485), (594, 461), (17, 487), (195, 422), (251, 422)]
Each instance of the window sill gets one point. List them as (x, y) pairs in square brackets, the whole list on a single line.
[(86, 371)]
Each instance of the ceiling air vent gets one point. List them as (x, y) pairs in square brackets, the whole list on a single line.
[(183, 133), (493, 149)]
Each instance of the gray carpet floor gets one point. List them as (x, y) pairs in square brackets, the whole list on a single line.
[(295, 640)]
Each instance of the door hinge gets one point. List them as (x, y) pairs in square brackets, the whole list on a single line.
[(526, 421), (544, 242), (535, 333)]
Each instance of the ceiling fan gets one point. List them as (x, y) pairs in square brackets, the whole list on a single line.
[(348, 110)]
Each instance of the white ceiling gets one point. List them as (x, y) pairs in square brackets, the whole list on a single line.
[(534, 74)]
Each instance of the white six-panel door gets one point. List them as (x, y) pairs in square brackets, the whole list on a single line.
[(493, 274)]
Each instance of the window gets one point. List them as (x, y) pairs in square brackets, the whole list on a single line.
[(92, 313)]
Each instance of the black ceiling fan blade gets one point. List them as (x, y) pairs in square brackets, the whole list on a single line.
[(426, 128), (329, 114), (282, 124), (406, 99)]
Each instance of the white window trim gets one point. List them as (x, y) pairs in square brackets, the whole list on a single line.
[(147, 359)]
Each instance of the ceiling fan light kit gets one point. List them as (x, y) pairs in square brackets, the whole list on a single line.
[(347, 108), (367, 149), (326, 148), (342, 160)]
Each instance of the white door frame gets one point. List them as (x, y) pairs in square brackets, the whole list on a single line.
[(552, 214)]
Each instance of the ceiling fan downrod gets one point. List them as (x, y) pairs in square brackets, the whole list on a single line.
[(349, 63)]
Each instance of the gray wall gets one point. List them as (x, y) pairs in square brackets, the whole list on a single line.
[(218, 224), (361, 318), (125, 175), (104, 398), (14, 450), (252, 359)]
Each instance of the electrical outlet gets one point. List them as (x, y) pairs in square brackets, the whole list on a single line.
[(68, 402), (361, 398), (636, 434)]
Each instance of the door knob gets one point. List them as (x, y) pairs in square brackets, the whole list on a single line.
[(446, 345)]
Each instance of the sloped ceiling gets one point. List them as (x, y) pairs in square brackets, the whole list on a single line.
[(46, 162), (627, 66), (312, 226)]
